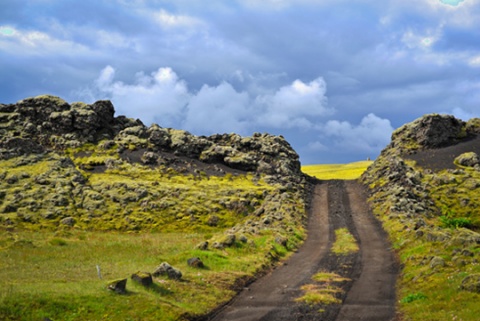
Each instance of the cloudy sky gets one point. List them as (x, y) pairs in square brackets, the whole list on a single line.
[(334, 77)]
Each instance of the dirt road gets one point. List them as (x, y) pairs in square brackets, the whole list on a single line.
[(369, 296)]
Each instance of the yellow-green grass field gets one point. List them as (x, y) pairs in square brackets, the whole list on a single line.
[(130, 219), (337, 171), (54, 275)]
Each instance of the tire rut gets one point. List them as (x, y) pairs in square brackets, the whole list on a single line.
[(369, 296), (276, 290), (372, 295)]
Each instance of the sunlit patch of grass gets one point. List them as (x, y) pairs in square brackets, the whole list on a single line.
[(128, 218), (344, 243), (324, 292), (329, 277), (337, 171), (316, 294), (36, 279)]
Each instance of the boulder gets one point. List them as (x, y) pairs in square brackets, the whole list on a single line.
[(202, 246), (195, 262), (471, 283), (468, 159), (281, 240), (119, 286), (437, 262), (69, 221), (165, 269), (143, 278)]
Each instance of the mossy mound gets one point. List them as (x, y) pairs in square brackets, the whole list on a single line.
[(431, 213), (77, 166)]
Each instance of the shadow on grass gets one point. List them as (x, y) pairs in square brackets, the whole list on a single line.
[(158, 289)]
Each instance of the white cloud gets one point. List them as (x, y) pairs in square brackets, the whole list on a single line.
[(164, 98), (316, 147), (34, 42), (293, 105), (474, 61), (108, 39), (218, 109), (169, 20), (372, 134), (159, 97)]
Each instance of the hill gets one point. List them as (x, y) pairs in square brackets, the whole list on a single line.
[(424, 188), (87, 198)]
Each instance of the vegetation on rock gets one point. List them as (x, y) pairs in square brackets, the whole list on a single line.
[(432, 218), (83, 190)]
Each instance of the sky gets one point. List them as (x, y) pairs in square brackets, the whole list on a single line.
[(334, 77)]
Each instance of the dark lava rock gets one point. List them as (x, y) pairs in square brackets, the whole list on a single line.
[(69, 221), (427, 132), (143, 278), (471, 283), (195, 262), (202, 246), (165, 269), (119, 286), (468, 159)]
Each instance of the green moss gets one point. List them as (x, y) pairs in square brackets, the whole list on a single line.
[(55, 99), (450, 198)]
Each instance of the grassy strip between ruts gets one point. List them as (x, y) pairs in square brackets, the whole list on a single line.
[(323, 291), (345, 243), (337, 171)]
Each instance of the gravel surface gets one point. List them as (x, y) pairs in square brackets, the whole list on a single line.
[(370, 295)]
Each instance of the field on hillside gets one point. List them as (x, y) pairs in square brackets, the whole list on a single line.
[(337, 171), (55, 275), (66, 232)]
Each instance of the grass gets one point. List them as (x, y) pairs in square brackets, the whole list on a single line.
[(131, 218), (324, 291), (337, 171), (316, 294), (329, 277), (426, 292), (43, 275), (344, 243)]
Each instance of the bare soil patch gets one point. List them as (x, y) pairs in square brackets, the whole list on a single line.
[(442, 158)]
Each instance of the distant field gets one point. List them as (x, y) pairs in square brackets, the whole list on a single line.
[(337, 171)]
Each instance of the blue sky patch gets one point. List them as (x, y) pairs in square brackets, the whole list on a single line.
[(451, 2)]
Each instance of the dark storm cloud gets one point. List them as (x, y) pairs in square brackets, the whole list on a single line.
[(333, 77)]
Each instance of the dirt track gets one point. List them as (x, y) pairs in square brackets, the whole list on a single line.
[(369, 296)]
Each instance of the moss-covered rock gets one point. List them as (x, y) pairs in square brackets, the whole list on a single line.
[(471, 283), (470, 159)]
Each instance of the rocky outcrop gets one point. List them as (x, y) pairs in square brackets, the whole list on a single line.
[(430, 131), (195, 262), (55, 153), (46, 123), (50, 122), (428, 203)]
